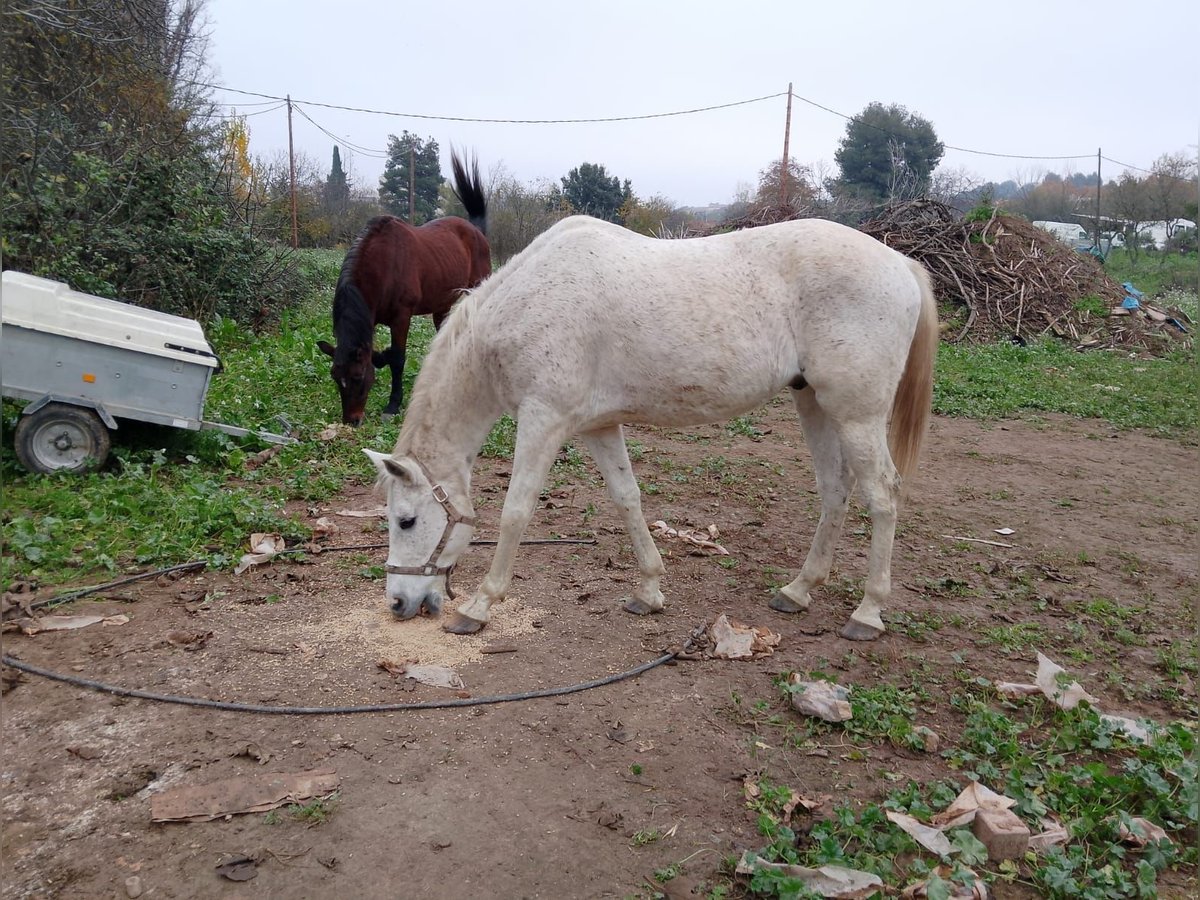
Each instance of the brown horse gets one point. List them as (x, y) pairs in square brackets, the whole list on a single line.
[(394, 272)]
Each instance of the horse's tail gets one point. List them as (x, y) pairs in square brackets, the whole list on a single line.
[(468, 187), (914, 395)]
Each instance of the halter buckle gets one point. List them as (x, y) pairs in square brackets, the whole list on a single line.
[(440, 495)]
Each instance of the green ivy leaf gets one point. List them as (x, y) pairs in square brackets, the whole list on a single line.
[(971, 850)]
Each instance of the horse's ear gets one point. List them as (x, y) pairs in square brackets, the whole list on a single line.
[(325, 347), (390, 466)]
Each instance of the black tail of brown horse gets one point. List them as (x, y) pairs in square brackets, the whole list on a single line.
[(468, 187)]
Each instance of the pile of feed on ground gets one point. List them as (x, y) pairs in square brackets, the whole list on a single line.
[(1016, 280)]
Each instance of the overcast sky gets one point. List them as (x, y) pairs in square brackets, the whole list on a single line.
[(1041, 79)]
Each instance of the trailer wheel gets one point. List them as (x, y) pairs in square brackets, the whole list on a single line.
[(62, 438)]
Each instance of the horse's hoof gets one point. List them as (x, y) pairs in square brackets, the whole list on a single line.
[(460, 624), (639, 607), (860, 631), (783, 603)]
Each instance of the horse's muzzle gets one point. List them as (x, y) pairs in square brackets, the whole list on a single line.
[(406, 609)]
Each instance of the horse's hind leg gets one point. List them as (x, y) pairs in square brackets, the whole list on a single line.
[(834, 484), (607, 447), (538, 438), (865, 445)]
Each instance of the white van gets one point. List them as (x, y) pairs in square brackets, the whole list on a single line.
[(1068, 232)]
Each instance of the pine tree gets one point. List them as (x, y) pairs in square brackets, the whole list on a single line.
[(394, 184), (337, 188)]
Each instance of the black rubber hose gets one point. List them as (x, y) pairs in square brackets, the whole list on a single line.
[(347, 710)]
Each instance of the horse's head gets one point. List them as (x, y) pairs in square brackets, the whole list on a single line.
[(353, 373), (427, 533)]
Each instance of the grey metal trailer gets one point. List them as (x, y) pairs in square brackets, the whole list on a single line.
[(85, 362)]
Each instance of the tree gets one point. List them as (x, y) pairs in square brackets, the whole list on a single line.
[(888, 153), (1130, 201), (591, 190), (517, 213), (958, 188), (427, 177), (797, 193), (115, 176), (1050, 197), (337, 188), (654, 217), (1170, 186)]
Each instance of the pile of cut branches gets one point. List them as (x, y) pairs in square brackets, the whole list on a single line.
[(1018, 281), (767, 215)]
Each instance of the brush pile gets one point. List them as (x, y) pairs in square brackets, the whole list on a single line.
[(768, 214), (1016, 281)]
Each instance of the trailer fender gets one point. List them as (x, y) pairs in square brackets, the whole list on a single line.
[(98, 407)]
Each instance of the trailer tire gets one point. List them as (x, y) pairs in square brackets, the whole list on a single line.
[(60, 437)]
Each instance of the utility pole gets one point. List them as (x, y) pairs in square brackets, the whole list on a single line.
[(787, 136), (412, 183), (1099, 181), (292, 173)]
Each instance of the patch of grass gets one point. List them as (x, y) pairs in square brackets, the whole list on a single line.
[(645, 836), (66, 528), (1001, 380), (1069, 765), (917, 626), (1012, 638), (667, 873), (1093, 305), (1154, 273), (501, 440), (886, 711), (314, 812), (1178, 659), (1084, 771), (744, 426)]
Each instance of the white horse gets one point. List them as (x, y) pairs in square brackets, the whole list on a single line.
[(593, 326)]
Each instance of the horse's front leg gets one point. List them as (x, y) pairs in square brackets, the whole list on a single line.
[(607, 447), (394, 356), (537, 443)]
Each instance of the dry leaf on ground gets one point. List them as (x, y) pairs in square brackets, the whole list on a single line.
[(822, 699), (828, 881), (731, 639), (263, 548)]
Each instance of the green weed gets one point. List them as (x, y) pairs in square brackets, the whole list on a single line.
[(315, 812), (645, 836)]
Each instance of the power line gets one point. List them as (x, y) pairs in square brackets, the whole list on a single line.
[(365, 151), (606, 119), (1127, 165), (232, 103), (409, 115), (247, 115), (947, 146)]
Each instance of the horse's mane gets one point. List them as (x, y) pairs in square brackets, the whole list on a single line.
[(353, 324), (451, 343)]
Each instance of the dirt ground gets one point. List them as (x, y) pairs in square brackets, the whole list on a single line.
[(585, 795)]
